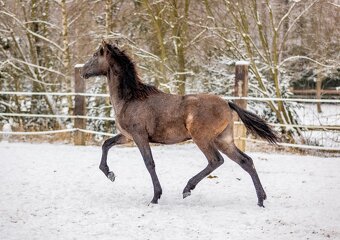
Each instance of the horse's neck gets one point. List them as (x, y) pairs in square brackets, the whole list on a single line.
[(113, 83)]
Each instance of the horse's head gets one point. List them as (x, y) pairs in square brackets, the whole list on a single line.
[(98, 64)]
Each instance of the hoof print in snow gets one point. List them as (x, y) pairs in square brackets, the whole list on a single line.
[(111, 176)]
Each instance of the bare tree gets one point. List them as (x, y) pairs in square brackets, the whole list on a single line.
[(264, 47), (28, 49), (180, 46)]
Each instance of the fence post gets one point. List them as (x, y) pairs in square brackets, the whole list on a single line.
[(240, 90), (318, 91), (79, 105)]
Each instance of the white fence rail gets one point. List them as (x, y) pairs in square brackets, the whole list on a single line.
[(321, 127), (57, 131), (260, 99), (55, 116), (302, 146)]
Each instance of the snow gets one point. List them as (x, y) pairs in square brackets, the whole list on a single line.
[(52, 191), (242, 63), (330, 115), (79, 65), (6, 129)]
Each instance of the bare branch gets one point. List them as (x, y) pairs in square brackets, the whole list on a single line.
[(33, 79), (294, 22), (39, 67), (286, 15), (334, 4), (31, 32), (44, 22), (195, 38), (307, 58)]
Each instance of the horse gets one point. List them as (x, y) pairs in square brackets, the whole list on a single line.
[(144, 114)]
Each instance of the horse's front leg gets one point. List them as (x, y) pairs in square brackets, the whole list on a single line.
[(144, 148), (116, 140)]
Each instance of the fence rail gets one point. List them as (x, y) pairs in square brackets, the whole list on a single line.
[(56, 116), (313, 91), (58, 131), (260, 99), (318, 127), (302, 146)]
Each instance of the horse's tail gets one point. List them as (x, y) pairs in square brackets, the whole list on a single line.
[(255, 125)]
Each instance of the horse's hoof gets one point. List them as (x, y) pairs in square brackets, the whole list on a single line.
[(111, 176), (260, 205), (186, 194), (153, 202)]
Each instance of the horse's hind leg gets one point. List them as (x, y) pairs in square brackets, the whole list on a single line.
[(226, 145), (214, 161), (116, 140)]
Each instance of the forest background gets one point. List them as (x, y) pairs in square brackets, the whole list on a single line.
[(180, 46)]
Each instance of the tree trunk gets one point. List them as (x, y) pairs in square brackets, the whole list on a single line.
[(179, 34), (108, 17), (66, 55), (157, 21)]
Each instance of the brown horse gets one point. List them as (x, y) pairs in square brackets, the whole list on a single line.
[(145, 114)]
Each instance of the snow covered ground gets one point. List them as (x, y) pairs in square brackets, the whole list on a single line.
[(57, 192)]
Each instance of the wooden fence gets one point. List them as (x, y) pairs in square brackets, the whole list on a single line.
[(240, 97)]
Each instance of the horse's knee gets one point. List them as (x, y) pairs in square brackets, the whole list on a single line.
[(246, 160), (220, 160), (247, 164)]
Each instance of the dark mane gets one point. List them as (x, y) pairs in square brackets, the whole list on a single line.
[(130, 86)]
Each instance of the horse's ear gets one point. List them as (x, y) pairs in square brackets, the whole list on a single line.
[(106, 46), (104, 43)]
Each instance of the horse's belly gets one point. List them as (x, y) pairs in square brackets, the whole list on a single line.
[(170, 135), (169, 140)]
